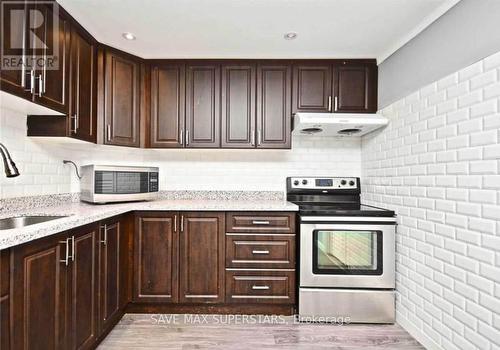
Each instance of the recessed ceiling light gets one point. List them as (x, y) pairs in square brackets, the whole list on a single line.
[(290, 36), (128, 36)]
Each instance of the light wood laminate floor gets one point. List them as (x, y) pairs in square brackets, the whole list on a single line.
[(140, 331)]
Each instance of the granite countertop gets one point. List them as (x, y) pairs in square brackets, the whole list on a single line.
[(79, 213)]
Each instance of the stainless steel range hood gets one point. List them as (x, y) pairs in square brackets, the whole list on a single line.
[(337, 124)]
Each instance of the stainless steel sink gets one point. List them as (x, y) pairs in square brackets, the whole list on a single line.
[(22, 221)]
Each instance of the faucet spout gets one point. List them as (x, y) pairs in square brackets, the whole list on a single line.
[(9, 165)]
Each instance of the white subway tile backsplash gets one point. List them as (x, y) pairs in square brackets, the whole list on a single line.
[(449, 194), (42, 171), (484, 79), (471, 71)]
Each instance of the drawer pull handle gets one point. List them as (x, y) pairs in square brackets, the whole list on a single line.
[(260, 252), (260, 222), (260, 287)]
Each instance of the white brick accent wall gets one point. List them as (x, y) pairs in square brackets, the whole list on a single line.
[(42, 171), (438, 165)]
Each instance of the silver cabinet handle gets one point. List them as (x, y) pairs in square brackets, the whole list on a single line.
[(72, 256), (263, 252), (260, 222), (181, 137), (336, 103), (23, 67), (187, 137), (66, 255), (108, 132), (252, 137), (258, 137), (105, 240), (182, 223), (32, 81), (23, 76), (40, 85), (175, 223), (329, 103), (260, 287), (73, 129)]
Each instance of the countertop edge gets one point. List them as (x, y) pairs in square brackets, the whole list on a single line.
[(12, 238)]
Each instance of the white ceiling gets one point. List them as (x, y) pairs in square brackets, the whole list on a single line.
[(255, 28)]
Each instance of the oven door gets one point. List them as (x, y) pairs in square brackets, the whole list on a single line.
[(343, 254)]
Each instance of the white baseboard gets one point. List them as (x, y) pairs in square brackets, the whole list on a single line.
[(417, 333)]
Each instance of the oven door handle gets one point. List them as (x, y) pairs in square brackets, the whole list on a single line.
[(359, 220)]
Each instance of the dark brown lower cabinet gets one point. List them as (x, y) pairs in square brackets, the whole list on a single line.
[(5, 299), (111, 256), (201, 258), (69, 290), (40, 278), (83, 290), (156, 258)]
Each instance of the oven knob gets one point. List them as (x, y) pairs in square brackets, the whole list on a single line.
[(343, 182), (296, 182), (304, 182), (351, 183)]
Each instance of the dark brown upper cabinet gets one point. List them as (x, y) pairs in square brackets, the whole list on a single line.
[(121, 99), (348, 86), (46, 84), (238, 105), (312, 87), (201, 258), (16, 80), (168, 84), (274, 105), (53, 80), (156, 258), (83, 87), (355, 88), (203, 105)]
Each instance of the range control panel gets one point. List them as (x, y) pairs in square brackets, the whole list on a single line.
[(326, 183)]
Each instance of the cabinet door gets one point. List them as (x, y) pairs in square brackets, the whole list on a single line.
[(167, 106), (312, 88), (5, 299), (203, 106), (156, 260), (83, 295), (274, 118), (201, 258), (238, 106), (356, 88), (53, 91), (122, 95), (14, 78), (110, 254), (83, 65), (40, 280)]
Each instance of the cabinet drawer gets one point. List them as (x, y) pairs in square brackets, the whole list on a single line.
[(272, 287), (260, 250), (256, 222)]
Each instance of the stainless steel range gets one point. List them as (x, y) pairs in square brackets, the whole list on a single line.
[(347, 252)]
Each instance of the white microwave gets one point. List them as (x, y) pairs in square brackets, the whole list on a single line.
[(109, 183)]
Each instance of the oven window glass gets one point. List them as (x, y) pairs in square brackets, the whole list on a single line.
[(343, 252)]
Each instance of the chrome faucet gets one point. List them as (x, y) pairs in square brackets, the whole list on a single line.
[(8, 163)]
